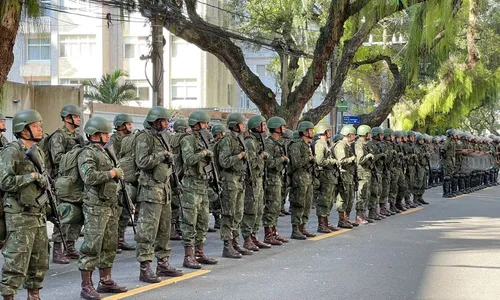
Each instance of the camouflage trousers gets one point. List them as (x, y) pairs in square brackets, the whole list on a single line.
[(402, 184), (285, 190), (176, 209), (410, 181), (71, 233), (273, 200), (124, 219), (386, 187), (153, 231), (26, 253), (345, 197), (195, 214), (301, 197), (364, 190), (393, 189), (214, 202), (253, 208), (100, 237), (419, 186), (326, 199), (232, 202), (375, 190)]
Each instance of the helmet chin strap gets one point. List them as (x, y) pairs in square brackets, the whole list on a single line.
[(72, 122), (32, 137)]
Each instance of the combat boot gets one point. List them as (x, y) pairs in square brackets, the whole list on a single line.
[(190, 261), (146, 274), (217, 221), (399, 205), (360, 218), (88, 291), (384, 211), (269, 237), (229, 251), (122, 244), (278, 237), (367, 217), (322, 225), (163, 269), (373, 214), (302, 228), (249, 245), (297, 234), (237, 247), (330, 225), (71, 252), (346, 218), (422, 201), (58, 256), (258, 243), (343, 223), (379, 214), (33, 294), (202, 258), (174, 234), (108, 285), (210, 229), (394, 208)]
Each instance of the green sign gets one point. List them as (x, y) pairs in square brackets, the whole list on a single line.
[(342, 105)]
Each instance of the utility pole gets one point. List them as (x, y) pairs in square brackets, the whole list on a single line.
[(157, 59)]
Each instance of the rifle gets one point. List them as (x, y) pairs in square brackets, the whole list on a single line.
[(176, 181), (249, 168), (314, 169), (263, 145), (34, 157), (356, 183), (126, 201), (285, 168), (211, 169)]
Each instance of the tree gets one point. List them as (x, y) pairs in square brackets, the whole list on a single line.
[(110, 90)]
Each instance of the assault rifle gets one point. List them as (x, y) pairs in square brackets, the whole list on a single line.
[(241, 139), (314, 169), (126, 198), (33, 155), (176, 182), (211, 169), (263, 145)]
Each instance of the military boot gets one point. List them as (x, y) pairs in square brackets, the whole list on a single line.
[(146, 274), (163, 269), (33, 294), (122, 244), (384, 211), (343, 223), (278, 237), (88, 291), (58, 256), (330, 225), (200, 256), (360, 218), (229, 251), (71, 252), (394, 208), (323, 225), (108, 285), (347, 215), (174, 234), (379, 214), (190, 261), (8, 297), (422, 201), (237, 247), (249, 245), (269, 237), (210, 229), (373, 214), (302, 228), (399, 205), (258, 243), (297, 233), (367, 217), (217, 221)]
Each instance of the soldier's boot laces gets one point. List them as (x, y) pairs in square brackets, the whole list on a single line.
[(249, 245), (163, 269), (33, 294), (297, 234), (258, 243), (88, 291), (302, 228), (58, 256), (322, 226), (108, 285), (269, 237), (190, 261), (229, 251), (174, 234), (71, 252), (347, 215), (146, 274), (278, 237), (122, 244), (330, 225), (237, 247), (343, 223), (202, 258)]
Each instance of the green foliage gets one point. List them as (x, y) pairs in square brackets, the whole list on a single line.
[(110, 90)]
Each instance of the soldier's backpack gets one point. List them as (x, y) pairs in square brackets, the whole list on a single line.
[(175, 142), (44, 145), (68, 184), (127, 158)]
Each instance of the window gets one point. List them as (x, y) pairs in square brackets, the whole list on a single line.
[(39, 49), (184, 89), (44, 12), (135, 47), (39, 82), (82, 5), (77, 46), (75, 81), (180, 47), (261, 70), (142, 89)]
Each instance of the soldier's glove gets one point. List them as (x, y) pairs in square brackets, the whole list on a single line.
[(244, 155), (264, 155), (169, 157), (118, 173), (285, 160), (208, 153), (39, 178), (369, 156)]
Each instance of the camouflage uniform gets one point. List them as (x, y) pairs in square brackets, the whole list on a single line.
[(375, 186), (421, 165), (401, 168), (344, 155), (409, 149), (175, 142), (448, 152), (3, 141), (364, 161)]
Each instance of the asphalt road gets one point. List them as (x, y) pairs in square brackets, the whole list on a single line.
[(449, 250)]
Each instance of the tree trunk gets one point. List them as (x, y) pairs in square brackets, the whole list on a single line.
[(472, 52), (9, 23)]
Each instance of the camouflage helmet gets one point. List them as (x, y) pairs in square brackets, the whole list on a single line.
[(157, 112), (376, 131), (348, 129), (275, 122), (295, 134), (121, 119), (97, 125), (419, 137), (23, 118), (410, 133), (388, 132), (255, 121), (217, 129), (198, 116), (2, 117), (288, 134), (70, 109), (235, 118), (337, 137), (180, 125), (399, 134), (305, 125), (321, 128), (363, 130), (450, 132)]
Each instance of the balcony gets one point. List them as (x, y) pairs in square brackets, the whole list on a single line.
[(35, 25)]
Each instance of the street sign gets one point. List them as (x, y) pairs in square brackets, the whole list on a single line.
[(342, 105), (351, 120)]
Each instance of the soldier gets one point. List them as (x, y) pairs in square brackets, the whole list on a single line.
[(448, 153), (218, 131), (24, 210), (194, 202), (411, 170), (301, 193), (346, 159), (276, 178), (231, 157), (254, 189), (364, 161), (400, 162), (422, 164), (61, 142), (285, 187), (378, 168), (328, 177), (123, 127), (3, 128), (100, 209), (154, 160), (391, 174)]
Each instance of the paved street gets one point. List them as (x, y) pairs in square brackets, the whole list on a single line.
[(447, 250)]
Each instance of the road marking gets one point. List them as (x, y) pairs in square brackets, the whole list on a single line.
[(326, 235), (488, 188), (459, 196), (149, 287), (411, 210)]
